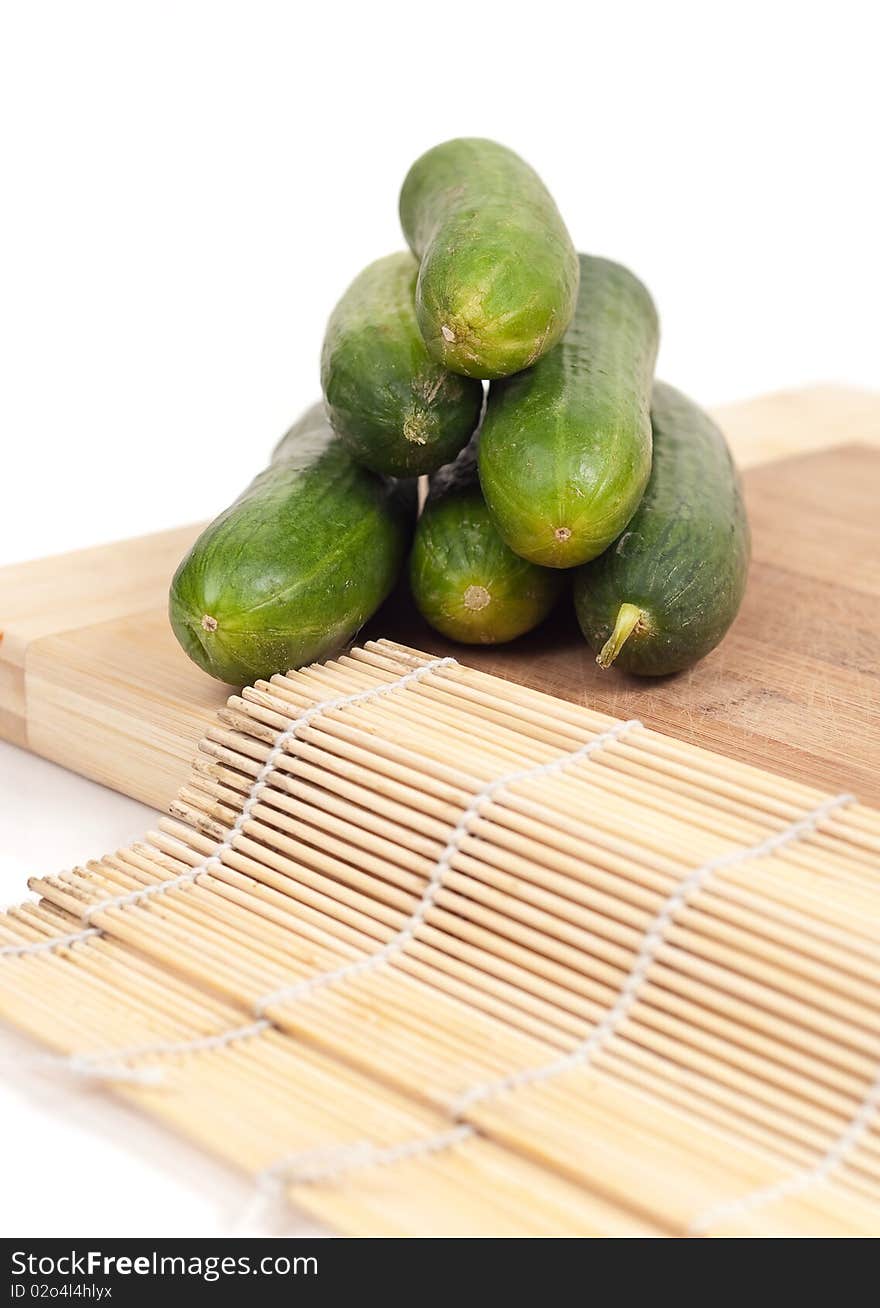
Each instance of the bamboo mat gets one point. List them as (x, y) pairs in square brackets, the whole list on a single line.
[(434, 954)]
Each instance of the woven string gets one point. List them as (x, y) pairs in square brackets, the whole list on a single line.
[(799, 1181), (260, 783), (79, 1065), (106, 1067), (407, 932), (46, 946), (653, 939), (299, 1167), (111, 1067), (312, 1166)]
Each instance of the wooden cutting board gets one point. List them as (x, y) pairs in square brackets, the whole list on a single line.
[(91, 676)]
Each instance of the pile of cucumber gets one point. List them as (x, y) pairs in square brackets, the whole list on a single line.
[(574, 459)]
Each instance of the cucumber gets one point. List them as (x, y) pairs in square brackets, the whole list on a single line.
[(499, 274), (465, 581), (664, 595), (291, 570), (397, 410), (565, 452)]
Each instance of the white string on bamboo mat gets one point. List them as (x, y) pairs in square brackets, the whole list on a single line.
[(260, 783), (105, 1065), (312, 1166), (46, 946), (654, 937), (301, 989), (398, 942), (583, 1052), (108, 1067), (114, 1065), (81, 1065), (797, 1182)]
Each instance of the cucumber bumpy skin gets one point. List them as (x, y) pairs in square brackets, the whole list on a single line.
[(499, 274), (398, 411), (291, 570), (465, 581), (565, 452), (667, 591)]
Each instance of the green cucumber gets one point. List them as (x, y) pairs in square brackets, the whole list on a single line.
[(291, 570), (664, 595), (397, 410), (565, 452), (499, 274), (465, 581)]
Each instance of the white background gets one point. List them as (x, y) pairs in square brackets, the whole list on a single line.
[(187, 189)]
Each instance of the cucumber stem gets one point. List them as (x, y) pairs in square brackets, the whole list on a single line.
[(628, 618)]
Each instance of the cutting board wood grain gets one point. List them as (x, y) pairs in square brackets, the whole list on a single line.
[(91, 676)]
